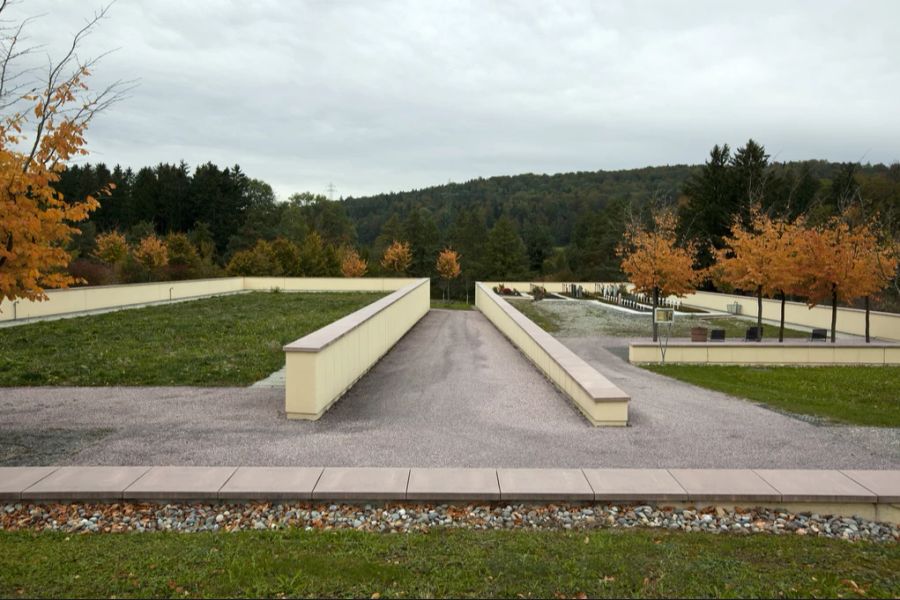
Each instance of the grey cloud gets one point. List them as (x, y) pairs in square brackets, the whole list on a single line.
[(379, 96)]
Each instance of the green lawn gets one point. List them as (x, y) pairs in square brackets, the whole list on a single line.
[(638, 563), (546, 320), (857, 395), (228, 340)]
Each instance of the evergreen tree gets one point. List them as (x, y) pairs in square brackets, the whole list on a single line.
[(706, 215), (538, 245), (506, 254), (421, 232)]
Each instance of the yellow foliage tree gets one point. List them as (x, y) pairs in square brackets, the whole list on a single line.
[(352, 265), (43, 130), (654, 261), (397, 257), (151, 253), (447, 266), (111, 248), (843, 263)]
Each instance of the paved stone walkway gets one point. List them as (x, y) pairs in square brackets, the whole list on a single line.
[(452, 393)]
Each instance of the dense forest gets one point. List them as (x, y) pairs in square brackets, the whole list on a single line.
[(563, 227)]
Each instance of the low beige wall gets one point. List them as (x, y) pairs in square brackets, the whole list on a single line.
[(811, 353), (883, 325), (556, 287), (328, 284), (323, 365), (601, 402), (849, 320), (105, 297), (60, 302)]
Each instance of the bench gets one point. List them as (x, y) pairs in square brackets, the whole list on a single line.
[(717, 335), (754, 334), (818, 335)]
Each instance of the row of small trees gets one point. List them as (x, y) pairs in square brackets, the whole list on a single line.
[(839, 261)]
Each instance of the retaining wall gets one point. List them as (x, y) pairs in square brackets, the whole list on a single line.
[(849, 320), (323, 365), (883, 325), (106, 297), (809, 353), (601, 402)]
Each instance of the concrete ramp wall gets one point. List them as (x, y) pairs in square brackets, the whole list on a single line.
[(600, 400)]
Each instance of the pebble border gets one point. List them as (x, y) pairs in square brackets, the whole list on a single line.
[(87, 518)]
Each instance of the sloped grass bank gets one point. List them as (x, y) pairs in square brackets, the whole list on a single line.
[(855, 395), (479, 564), (227, 340)]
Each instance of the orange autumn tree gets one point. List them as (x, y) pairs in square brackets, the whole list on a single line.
[(352, 265), (111, 248), (42, 130), (151, 253), (447, 266), (761, 256), (842, 263), (656, 263), (397, 257)]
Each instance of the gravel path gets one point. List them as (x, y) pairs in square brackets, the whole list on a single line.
[(453, 392)]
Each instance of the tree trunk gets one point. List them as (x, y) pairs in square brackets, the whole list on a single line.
[(868, 339), (781, 327), (655, 304), (833, 313), (759, 314)]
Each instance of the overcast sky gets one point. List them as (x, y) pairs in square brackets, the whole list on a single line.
[(381, 95)]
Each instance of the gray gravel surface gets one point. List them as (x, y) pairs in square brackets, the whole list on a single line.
[(453, 392)]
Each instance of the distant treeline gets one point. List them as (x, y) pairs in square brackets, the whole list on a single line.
[(562, 227)]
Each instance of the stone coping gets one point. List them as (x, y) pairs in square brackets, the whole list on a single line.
[(324, 337), (598, 387), (748, 486), (770, 343)]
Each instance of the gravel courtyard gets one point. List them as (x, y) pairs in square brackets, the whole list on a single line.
[(453, 392)]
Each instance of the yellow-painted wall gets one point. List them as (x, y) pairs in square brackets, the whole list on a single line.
[(88, 298), (601, 402), (849, 320), (882, 325), (60, 302), (328, 284), (322, 366), (811, 353)]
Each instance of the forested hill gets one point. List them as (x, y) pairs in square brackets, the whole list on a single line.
[(552, 200)]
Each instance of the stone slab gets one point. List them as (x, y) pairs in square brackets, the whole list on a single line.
[(634, 484), (15, 480), (725, 485), (350, 483), (544, 484), (884, 484), (271, 483), (84, 483), (179, 483), (453, 484), (805, 485)]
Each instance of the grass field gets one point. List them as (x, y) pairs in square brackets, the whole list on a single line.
[(228, 340), (637, 563), (857, 395)]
